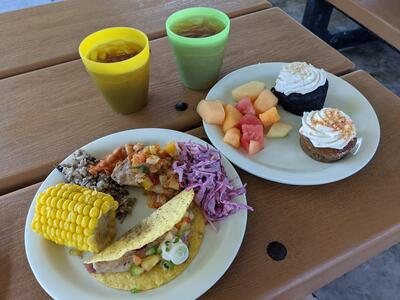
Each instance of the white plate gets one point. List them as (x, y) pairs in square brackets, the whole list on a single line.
[(283, 160), (63, 276)]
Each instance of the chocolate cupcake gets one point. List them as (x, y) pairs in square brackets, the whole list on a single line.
[(301, 87), (327, 135)]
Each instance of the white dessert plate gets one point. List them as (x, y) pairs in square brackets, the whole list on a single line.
[(63, 276), (283, 160)]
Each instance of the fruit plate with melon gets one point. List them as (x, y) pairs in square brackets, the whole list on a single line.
[(242, 119)]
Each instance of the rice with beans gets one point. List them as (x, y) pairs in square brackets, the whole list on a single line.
[(78, 172)]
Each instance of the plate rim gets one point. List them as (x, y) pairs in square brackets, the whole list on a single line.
[(254, 168), (236, 247)]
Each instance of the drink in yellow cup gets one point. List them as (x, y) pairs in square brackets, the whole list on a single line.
[(117, 59)]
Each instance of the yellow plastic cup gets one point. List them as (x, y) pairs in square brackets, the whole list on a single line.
[(124, 84)]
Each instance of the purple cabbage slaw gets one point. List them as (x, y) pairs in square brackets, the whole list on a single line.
[(200, 167)]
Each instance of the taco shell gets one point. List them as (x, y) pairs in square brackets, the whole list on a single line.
[(145, 232), (149, 229), (157, 276)]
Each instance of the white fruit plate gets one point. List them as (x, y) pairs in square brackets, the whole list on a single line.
[(283, 160)]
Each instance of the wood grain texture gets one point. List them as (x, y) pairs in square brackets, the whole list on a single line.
[(48, 113), (16, 278), (199, 132), (46, 35), (328, 230), (380, 16)]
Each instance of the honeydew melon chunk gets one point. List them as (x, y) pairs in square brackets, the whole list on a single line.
[(251, 89), (279, 130)]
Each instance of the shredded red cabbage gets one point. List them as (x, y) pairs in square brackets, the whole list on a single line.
[(200, 167)]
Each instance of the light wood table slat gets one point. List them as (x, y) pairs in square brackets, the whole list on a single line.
[(199, 132), (47, 35), (48, 113), (16, 278), (380, 16), (328, 230)]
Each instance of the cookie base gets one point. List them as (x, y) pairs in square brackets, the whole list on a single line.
[(325, 154)]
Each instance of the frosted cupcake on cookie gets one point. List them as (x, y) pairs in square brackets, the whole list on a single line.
[(301, 87), (327, 135)]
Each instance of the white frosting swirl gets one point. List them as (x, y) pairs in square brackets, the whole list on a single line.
[(328, 128), (299, 77)]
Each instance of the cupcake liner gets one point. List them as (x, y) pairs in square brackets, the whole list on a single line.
[(297, 103)]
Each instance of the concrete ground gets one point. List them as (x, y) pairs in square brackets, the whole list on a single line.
[(10, 5), (379, 278)]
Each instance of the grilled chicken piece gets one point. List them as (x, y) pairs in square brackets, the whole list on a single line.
[(122, 264), (124, 174)]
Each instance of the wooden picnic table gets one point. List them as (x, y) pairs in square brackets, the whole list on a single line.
[(327, 230), (64, 98), (380, 16)]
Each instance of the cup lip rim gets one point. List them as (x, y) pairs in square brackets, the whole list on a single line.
[(207, 39), (137, 56)]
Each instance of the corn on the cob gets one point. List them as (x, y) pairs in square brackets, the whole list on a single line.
[(75, 216)]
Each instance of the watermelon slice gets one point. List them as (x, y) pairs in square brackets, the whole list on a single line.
[(249, 120), (245, 106), (252, 133)]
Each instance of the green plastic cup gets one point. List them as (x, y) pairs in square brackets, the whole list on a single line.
[(199, 60)]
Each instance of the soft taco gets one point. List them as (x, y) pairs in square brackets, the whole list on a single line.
[(155, 251)]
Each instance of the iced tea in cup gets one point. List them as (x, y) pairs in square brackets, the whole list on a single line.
[(117, 59), (198, 36)]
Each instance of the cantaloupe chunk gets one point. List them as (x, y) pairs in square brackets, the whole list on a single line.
[(279, 130), (269, 117), (254, 147), (232, 137), (232, 117), (222, 102), (265, 101), (212, 112), (251, 89)]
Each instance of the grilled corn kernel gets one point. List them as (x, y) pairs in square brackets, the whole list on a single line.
[(105, 206), (85, 222), (94, 212), (86, 209), (76, 217)]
